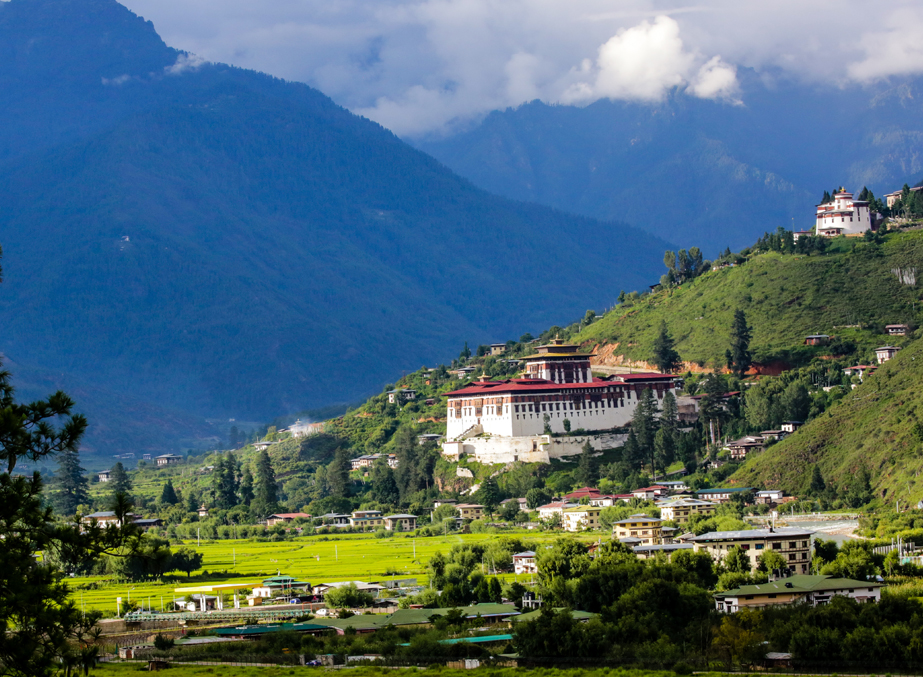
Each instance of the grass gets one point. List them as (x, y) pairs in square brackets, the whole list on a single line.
[(877, 427), (315, 559), (785, 297)]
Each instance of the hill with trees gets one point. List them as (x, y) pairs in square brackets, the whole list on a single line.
[(849, 291), (867, 449), (187, 240)]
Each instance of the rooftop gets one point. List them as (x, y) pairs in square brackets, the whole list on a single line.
[(751, 534), (800, 583)]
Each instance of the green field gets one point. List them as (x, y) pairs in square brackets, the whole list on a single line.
[(316, 559), (124, 669)]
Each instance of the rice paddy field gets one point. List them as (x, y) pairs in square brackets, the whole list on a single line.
[(178, 670), (316, 559)]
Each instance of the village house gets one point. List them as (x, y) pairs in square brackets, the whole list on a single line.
[(645, 528), (721, 495), (334, 520), (581, 517), (285, 517), (203, 511), (794, 545), (885, 353), (674, 486), (583, 492), (800, 589), (168, 459), (497, 348), (607, 500), (774, 435), (464, 371), (365, 519), (650, 493), (897, 329), (443, 501), (106, 518), (769, 497), (263, 445), (892, 198), (400, 522), (470, 511), (429, 437), (524, 563), (791, 426), (401, 395), (549, 510), (798, 234), (683, 509), (369, 460), (148, 523), (860, 370), (817, 340), (651, 551), (738, 449), (104, 475), (523, 504), (843, 216)]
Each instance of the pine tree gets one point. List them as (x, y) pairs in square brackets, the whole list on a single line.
[(246, 486), (225, 483), (119, 482), (664, 449), (168, 495), (384, 488), (669, 415), (644, 424), (489, 495), (818, 486), (338, 474), (71, 483), (266, 500), (666, 358), (739, 356), (587, 468)]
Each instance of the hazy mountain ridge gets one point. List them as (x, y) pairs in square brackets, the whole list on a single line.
[(698, 171), (220, 242)]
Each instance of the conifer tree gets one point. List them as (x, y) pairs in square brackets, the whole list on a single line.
[(338, 474), (266, 500), (666, 358), (818, 486), (739, 357), (168, 495), (71, 483), (119, 481), (246, 486), (587, 468)]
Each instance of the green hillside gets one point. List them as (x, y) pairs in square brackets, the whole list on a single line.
[(785, 298), (878, 428)]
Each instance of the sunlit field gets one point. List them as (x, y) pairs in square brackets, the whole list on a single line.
[(317, 559)]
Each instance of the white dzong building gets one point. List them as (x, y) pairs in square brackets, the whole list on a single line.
[(843, 216), (558, 386)]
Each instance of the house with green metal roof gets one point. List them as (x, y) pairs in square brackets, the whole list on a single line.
[(797, 589)]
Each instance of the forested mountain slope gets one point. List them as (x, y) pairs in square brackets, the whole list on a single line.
[(218, 242), (785, 297), (876, 428)]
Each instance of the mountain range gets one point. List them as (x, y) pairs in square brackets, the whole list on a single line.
[(698, 172), (186, 240)]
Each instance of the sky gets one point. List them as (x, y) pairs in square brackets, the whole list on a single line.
[(428, 66)]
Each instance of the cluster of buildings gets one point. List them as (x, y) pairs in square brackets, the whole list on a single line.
[(369, 460), (370, 520)]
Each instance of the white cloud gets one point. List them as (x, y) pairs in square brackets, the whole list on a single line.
[(418, 65), (184, 63), (896, 50), (715, 80)]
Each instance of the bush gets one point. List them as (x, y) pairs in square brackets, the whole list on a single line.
[(162, 643)]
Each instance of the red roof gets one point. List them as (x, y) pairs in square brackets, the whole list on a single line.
[(537, 385), (580, 493)]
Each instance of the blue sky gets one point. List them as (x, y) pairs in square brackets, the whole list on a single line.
[(418, 66)]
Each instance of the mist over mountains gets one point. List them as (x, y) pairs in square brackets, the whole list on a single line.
[(184, 240), (694, 171)]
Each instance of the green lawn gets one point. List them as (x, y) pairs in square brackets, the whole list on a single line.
[(311, 558)]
